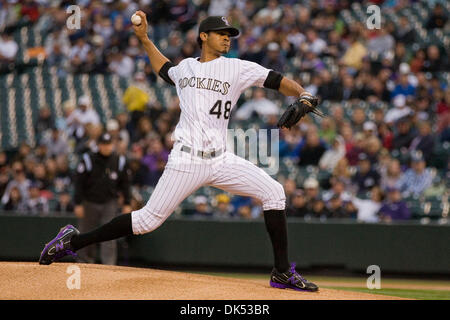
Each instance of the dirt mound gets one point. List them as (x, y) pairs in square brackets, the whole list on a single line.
[(26, 280)]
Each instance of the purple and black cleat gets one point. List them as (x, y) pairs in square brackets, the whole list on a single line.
[(60, 246), (291, 279)]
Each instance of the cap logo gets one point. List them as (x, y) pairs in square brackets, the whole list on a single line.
[(225, 20)]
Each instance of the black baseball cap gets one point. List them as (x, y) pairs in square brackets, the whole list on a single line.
[(216, 23), (105, 138)]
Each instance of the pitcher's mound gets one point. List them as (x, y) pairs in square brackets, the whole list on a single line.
[(28, 280)]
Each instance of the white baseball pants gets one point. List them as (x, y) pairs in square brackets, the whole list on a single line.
[(185, 173)]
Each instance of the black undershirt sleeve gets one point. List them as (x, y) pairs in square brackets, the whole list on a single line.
[(273, 80), (164, 72)]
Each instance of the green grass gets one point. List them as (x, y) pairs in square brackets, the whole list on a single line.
[(403, 293), (358, 285)]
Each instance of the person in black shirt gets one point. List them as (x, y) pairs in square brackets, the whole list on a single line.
[(366, 177), (438, 19), (297, 207), (100, 177)]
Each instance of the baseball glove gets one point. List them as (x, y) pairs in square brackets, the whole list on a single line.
[(297, 110)]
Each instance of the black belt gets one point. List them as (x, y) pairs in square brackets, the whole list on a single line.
[(203, 154)]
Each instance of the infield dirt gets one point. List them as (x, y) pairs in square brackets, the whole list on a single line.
[(29, 280)]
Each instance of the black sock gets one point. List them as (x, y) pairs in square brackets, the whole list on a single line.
[(276, 227), (118, 227)]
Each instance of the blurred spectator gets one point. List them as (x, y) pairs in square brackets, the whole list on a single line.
[(19, 181), (8, 51), (140, 173), (65, 204), (259, 104), (404, 33), (312, 191), (342, 172), (244, 211), (112, 127), (45, 121), (403, 87), (379, 90), (289, 186), (372, 149), (331, 157), (319, 210), (143, 128), (121, 64), (358, 119), (356, 149), (418, 60), (273, 59), (338, 115), (136, 97), (256, 210), (353, 56), (368, 208), (155, 159), (40, 176), (184, 13), (36, 204), (339, 209), (124, 134), (381, 42), (4, 178), (311, 63), (56, 143), (416, 179), (392, 176), (327, 130), (89, 140), (81, 116), (63, 175), (15, 201), (394, 208), (338, 188), (434, 62), (223, 208), (289, 139), (365, 177), (297, 207), (405, 134), (438, 18), (329, 88), (29, 10), (316, 44), (336, 207), (201, 207), (270, 14), (386, 136), (424, 142), (369, 129), (310, 149), (79, 53)]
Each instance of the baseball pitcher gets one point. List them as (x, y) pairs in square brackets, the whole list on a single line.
[(208, 87)]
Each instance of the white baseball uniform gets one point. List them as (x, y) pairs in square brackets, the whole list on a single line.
[(207, 93)]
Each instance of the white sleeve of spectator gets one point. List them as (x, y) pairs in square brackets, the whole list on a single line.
[(252, 74)]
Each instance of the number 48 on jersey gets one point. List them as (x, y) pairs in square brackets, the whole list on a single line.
[(217, 109)]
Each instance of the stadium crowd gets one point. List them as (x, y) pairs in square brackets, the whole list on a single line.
[(374, 159)]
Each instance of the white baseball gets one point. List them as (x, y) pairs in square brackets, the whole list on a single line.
[(136, 20)]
